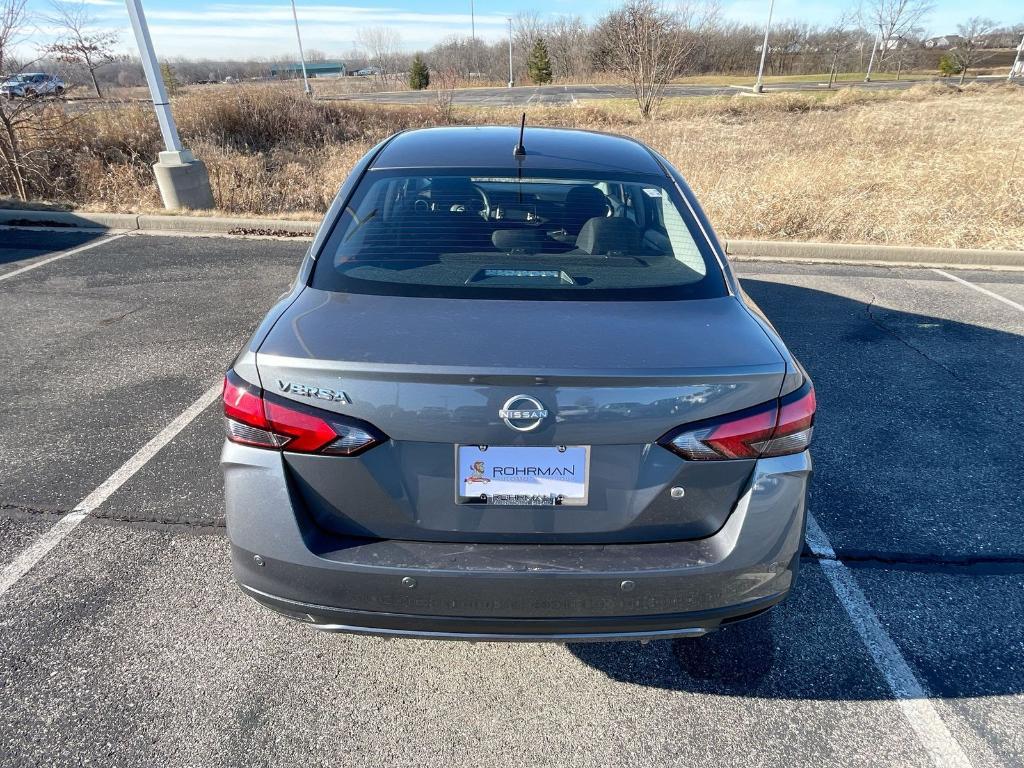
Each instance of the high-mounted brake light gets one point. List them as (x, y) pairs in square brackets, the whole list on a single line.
[(773, 429), (255, 418)]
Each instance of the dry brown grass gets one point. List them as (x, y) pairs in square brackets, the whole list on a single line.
[(928, 166)]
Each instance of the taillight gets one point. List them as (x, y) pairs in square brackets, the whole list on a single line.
[(773, 429), (256, 418), (796, 423)]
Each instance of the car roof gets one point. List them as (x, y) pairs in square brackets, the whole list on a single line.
[(556, 149)]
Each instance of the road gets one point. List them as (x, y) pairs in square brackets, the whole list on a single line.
[(571, 94), (125, 643)]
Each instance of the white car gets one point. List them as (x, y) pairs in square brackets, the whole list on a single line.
[(32, 84)]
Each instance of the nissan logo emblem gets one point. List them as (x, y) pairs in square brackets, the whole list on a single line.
[(523, 413)]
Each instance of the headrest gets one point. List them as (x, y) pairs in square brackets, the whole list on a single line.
[(528, 240), (453, 189), (587, 198), (602, 235)]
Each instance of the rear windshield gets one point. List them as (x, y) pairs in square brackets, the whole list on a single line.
[(505, 236)]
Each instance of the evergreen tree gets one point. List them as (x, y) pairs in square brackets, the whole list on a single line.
[(171, 82), (538, 65), (419, 75)]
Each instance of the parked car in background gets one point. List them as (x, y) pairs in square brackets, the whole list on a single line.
[(369, 72), (32, 84), (516, 393)]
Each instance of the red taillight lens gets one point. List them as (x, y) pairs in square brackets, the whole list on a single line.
[(265, 421), (305, 432), (796, 423), (773, 429)]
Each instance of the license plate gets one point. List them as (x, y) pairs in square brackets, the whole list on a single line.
[(532, 476)]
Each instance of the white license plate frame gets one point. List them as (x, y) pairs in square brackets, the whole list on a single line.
[(563, 490)]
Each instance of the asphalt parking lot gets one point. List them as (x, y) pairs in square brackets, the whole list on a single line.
[(125, 642), (572, 94)]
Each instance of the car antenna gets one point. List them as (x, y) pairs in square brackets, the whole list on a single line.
[(520, 150)]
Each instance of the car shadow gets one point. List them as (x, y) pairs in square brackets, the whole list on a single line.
[(911, 484), (18, 245)]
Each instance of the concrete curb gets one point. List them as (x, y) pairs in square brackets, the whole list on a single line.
[(27, 218), (837, 253), (131, 221), (845, 253), (227, 226)]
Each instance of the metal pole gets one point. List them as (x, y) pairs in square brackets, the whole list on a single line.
[(182, 180), (511, 80), (154, 78), (876, 43), (472, 21), (758, 87), (1016, 59), (302, 56)]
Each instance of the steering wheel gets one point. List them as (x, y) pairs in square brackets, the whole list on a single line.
[(481, 207)]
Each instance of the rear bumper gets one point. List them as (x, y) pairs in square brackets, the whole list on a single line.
[(513, 591)]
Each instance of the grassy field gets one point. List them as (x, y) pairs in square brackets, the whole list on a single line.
[(927, 166)]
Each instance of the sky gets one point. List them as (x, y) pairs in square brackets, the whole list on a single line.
[(263, 29)]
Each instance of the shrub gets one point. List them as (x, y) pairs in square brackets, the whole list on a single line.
[(948, 65)]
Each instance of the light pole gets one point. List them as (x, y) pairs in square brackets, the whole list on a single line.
[(302, 56), (876, 43), (758, 87), (472, 21), (182, 180), (1016, 60), (511, 80)]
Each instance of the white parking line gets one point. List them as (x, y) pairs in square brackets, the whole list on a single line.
[(61, 255), (979, 289), (910, 694), (38, 550)]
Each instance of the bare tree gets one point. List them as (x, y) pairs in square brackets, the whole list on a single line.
[(527, 26), (80, 42), (839, 40), (569, 42), (894, 19), (383, 46), (27, 125), (971, 48), (444, 83), (650, 44), (13, 23)]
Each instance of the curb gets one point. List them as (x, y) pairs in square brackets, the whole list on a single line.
[(145, 223), (890, 255), (836, 253), (228, 226)]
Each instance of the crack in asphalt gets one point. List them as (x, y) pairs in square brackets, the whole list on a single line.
[(892, 332), (118, 318), (975, 565), (22, 511)]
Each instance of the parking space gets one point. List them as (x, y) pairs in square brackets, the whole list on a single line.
[(128, 644), (22, 248)]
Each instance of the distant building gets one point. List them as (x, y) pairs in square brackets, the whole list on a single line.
[(313, 69), (944, 42)]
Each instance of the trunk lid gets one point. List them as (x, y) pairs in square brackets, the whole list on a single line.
[(434, 373)]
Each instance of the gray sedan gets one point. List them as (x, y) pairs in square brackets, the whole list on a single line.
[(516, 393)]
